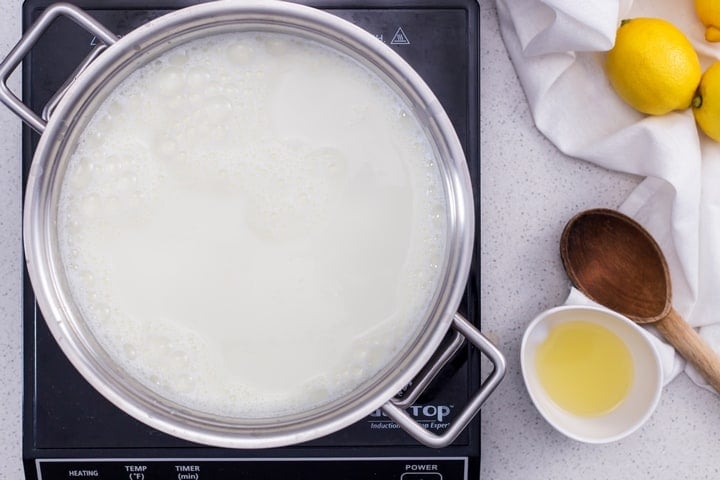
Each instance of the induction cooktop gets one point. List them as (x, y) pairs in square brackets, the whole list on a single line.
[(71, 431)]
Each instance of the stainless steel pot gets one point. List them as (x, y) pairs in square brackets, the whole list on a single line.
[(70, 112)]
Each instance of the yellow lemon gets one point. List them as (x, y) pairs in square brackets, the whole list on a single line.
[(709, 13), (706, 104), (653, 66)]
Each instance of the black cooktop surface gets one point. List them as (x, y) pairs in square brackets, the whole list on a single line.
[(71, 431)]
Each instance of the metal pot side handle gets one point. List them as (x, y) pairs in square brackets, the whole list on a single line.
[(28, 40), (420, 433)]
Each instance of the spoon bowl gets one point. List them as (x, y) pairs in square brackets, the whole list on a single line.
[(617, 263)]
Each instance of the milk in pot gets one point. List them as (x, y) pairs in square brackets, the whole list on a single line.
[(253, 224)]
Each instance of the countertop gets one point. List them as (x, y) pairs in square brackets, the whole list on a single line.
[(10, 263), (528, 191)]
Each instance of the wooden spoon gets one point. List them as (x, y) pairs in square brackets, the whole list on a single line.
[(615, 262)]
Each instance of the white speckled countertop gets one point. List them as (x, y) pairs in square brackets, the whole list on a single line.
[(528, 191), (10, 264)]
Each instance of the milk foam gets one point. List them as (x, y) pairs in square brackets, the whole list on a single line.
[(252, 224)]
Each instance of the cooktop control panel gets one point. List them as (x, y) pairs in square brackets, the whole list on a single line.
[(268, 469)]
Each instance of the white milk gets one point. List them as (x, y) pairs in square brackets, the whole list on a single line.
[(252, 224)]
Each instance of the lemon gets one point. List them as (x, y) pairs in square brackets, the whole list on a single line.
[(709, 13), (653, 66), (706, 104)]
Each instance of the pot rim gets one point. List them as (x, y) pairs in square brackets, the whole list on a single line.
[(132, 397)]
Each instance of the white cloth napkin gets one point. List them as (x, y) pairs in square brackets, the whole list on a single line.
[(557, 48)]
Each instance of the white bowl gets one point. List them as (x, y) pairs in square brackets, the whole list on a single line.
[(643, 395)]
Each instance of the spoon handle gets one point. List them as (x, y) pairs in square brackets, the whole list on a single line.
[(691, 346)]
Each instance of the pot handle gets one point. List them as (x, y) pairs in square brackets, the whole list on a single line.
[(28, 40), (395, 408)]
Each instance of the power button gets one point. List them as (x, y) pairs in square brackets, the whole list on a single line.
[(421, 476)]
